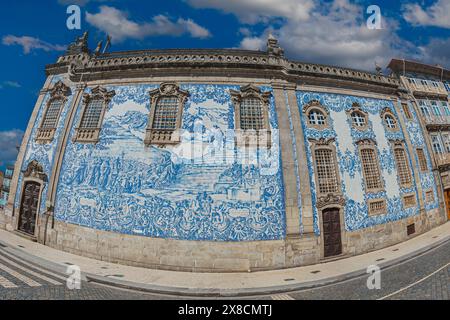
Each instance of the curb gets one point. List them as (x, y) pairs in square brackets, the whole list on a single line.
[(198, 292)]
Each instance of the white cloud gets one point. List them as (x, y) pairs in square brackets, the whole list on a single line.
[(435, 52), (438, 14), (335, 33), (10, 84), (9, 140), (117, 24), (30, 43), (254, 11)]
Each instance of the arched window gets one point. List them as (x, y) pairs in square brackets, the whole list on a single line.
[(403, 169), (358, 119), (94, 108), (316, 117), (370, 166), (390, 121), (165, 116)]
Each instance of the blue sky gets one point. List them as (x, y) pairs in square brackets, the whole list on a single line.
[(33, 34)]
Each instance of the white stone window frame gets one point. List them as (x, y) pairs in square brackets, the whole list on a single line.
[(387, 113), (371, 211), (370, 144), (315, 106), (422, 160), (92, 135), (158, 136), (252, 138), (327, 145), (356, 109), (400, 145), (60, 92), (409, 196)]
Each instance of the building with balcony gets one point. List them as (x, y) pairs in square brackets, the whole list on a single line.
[(6, 185), (220, 160), (429, 90)]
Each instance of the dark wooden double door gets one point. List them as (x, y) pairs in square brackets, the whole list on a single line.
[(29, 207), (332, 232)]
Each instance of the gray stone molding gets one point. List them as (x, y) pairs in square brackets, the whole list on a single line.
[(257, 138), (91, 135), (59, 92), (158, 136)]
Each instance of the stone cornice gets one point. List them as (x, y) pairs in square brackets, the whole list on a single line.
[(221, 62)]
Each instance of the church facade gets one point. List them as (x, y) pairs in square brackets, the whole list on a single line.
[(220, 160)]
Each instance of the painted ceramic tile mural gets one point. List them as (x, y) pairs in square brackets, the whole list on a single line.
[(340, 128), (43, 153), (121, 185)]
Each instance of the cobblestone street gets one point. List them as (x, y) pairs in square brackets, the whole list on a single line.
[(424, 277)]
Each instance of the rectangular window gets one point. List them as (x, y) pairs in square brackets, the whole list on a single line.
[(377, 207), (406, 110), (422, 160), (404, 173), (52, 114), (166, 113), (251, 114), (429, 196), (437, 147), (370, 168), (424, 108), (446, 108), (409, 201), (326, 171), (92, 115), (435, 107)]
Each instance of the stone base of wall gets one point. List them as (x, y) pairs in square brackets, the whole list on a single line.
[(209, 256)]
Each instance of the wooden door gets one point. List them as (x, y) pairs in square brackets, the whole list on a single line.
[(447, 202), (29, 207), (332, 232)]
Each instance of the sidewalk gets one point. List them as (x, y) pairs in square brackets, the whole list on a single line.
[(221, 284)]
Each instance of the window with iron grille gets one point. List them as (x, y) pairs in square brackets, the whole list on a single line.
[(403, 170), (52, 114), (326, 171), (92, 114), (359, 120), (390, 121), (406, 110), (316, 117), (370, 168), (377, 207), (251, 114), (409, 201), (166, 113), (429, 196), (422, 160)]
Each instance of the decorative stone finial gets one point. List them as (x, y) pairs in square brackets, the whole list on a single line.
[(273, 48), (80, 45)]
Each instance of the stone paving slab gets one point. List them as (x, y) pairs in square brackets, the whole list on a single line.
[(223, 284)]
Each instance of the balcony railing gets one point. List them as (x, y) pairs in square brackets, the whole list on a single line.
[(437, 122), (442, 159), (419, 88)]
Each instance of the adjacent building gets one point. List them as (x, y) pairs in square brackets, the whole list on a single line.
[(6, 185), (221, 160), (429, 90)]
